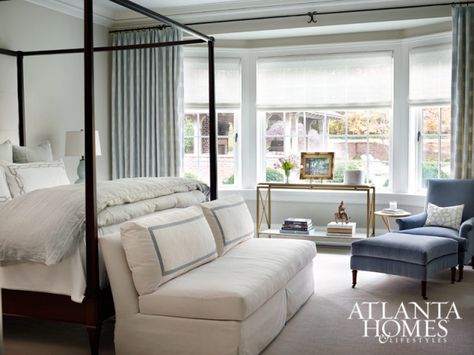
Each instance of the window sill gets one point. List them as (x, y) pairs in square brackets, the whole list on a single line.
[(382, 198)]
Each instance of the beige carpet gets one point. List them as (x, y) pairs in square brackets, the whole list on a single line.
[(320, 327)]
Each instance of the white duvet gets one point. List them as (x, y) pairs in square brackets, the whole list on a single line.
[(46, 225)]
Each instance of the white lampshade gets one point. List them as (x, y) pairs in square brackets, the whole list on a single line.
[(75, 144)]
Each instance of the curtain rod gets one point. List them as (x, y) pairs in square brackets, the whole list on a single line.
[(311, 15), (156, 16)]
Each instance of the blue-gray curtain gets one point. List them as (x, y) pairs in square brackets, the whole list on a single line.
[(147, 105), (462, 100)]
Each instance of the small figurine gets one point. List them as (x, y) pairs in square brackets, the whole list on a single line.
[(341, 214)]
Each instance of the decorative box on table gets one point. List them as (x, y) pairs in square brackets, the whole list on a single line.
[(341, 228)]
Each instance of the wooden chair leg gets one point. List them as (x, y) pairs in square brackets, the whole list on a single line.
[(453, 274), (423, 290), (354, 278), (472, 262), (94, 338), (461, 272)]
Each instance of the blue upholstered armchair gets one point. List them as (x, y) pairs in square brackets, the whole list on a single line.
[(445, 193)]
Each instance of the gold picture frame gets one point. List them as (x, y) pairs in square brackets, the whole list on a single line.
[(317, 165)]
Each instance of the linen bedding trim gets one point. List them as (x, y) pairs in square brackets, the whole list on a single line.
[(165, 272), (14, 171), (224, 239)]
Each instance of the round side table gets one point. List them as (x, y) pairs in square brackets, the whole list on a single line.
[(386, 217)]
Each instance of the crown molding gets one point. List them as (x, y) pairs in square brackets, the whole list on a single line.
[(72, 8), (122, 19), (254, 8)]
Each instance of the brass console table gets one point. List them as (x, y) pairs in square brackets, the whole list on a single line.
[(264, 205)]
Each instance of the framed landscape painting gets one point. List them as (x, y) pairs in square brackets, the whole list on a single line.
[(317, 165)]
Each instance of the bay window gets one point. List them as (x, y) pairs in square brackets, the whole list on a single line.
[(340, 103)]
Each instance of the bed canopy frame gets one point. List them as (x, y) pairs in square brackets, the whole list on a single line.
[(97, 304)]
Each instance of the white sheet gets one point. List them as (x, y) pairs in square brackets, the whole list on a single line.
[(68, 277)]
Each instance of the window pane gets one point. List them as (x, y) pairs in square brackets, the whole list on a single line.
[(226, 173), (379, 122), (339, 167), (225, 131), (197, 167), (445, 171), (379, 148), (430, 117), (379, 173), (356, 123), (338, 146), (315, 141), (275, 124), (430, 148), (314, 122), (204, 145), (204, 121), (336, 123), (446, 120), (188, 145), (445, 151), (272, 173), (430, 171), (189, 122), (357, 148)]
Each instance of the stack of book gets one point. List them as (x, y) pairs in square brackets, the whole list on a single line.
[(341, 229), (394, 211), (297, 226)]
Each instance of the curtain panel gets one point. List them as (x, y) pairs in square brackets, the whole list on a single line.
[(147, 105), (462, 100)]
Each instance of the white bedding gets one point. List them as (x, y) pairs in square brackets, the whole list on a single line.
[(46, 225), (68, 277), (65, 278)]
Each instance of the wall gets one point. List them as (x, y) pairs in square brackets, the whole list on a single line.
[(53, 84)]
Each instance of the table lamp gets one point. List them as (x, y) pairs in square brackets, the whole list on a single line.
[(75, 148)]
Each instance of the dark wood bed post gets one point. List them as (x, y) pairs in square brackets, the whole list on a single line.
[(21, 98), (97, 304), (212, 122), (92, 321)]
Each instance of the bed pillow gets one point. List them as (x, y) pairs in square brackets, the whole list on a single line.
[(24, 178), (40, 153), (6, 152), (449, 217), (163, 246), (230, 221), (4, 190)]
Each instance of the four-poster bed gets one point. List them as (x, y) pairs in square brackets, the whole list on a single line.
[(97, 304)]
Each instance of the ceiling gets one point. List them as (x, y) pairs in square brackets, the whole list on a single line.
[(189, 11)]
